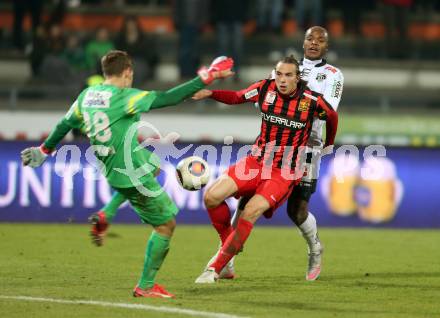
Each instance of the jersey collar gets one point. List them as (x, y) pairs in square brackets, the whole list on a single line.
[(310, 63)]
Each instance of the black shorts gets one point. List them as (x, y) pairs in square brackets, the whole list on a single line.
[(307, 186), (304, 190)]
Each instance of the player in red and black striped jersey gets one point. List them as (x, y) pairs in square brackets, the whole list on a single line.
[(286, 119), (267, 175), (328, 80)]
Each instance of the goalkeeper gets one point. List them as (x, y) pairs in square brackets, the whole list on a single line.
[(109, 112)]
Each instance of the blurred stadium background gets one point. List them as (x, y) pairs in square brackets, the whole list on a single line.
[(388, 54), (388, 51)]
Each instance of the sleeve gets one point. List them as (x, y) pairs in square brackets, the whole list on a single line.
[(326, 112), (139, 101), (249, 94), (333, 87), (144, 101), (252, 93), (177, 94), (72, 119)]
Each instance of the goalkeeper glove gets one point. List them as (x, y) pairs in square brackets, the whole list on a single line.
[(34, 156), (219, 68)]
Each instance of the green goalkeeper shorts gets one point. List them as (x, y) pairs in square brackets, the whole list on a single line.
[(154, 210)]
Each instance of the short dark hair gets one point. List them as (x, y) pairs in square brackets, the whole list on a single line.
[(291, 60), (115, 62)]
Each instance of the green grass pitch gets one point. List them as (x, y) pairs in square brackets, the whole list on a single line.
[(366, 273)]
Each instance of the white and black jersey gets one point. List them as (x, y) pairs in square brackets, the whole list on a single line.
[(327, 80)]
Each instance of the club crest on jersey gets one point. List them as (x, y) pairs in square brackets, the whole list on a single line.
[(270, 97), (304, 105), (320, 77)]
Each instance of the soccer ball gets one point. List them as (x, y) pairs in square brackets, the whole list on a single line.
[(192, 173)]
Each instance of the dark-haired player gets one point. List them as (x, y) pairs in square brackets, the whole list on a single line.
[(266, 176)]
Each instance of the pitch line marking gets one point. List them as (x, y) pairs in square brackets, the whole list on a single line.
[(189, 312)]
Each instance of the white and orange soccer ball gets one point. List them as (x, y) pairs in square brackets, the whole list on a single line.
[(193, 173)]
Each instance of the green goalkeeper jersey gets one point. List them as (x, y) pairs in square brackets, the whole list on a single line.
[(110, 115)]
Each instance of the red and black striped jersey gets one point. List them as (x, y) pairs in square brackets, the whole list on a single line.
[(286, 121)]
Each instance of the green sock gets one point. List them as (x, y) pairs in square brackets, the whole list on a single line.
[(157, 250), (112, 207)]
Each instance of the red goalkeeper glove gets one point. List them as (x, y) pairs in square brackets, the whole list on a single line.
[(219, 68)]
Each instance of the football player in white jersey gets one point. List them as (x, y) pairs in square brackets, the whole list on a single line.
[(328, 80)]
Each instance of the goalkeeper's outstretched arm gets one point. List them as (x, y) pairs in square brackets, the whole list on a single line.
[(35, 156), (220, 68), (177, 94), (58, 133)]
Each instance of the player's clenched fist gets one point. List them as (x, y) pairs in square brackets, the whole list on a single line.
[(219, 68), (33, 156)]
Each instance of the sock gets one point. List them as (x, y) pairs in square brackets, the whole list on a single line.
[(309, 231), (221, 220), (112, 207), (233, 244), (157, 250)]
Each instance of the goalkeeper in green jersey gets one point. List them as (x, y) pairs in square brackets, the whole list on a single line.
[(110, 112)]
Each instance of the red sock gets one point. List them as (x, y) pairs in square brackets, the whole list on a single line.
[(221, 220), (233, 244)]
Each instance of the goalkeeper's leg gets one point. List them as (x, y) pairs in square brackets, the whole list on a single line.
[(159, 211), (101, 220), (110, 209), (157, 249)]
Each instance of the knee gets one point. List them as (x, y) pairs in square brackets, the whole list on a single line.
[(171, 226), (251, 213), (211, 199), (303, 212), (166, 229)]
